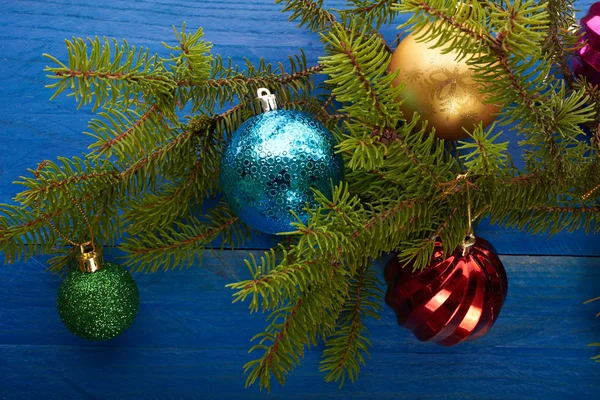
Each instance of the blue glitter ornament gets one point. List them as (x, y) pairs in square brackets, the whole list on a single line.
[(271, 164)]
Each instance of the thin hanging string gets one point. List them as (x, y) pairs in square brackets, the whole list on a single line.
[(470, 220), (47, 219), (58, 232), (591, 192)]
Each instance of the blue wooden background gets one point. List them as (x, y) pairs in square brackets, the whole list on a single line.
[(188, 340)]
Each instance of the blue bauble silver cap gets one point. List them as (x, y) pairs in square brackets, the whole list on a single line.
[(272, 164), (265, 100)]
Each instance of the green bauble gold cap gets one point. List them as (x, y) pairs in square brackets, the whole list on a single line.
[(98, 305)]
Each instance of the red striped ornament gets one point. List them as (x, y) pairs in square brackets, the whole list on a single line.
[(454, 298)]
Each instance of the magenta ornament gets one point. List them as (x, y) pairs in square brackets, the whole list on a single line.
[(588, 62)]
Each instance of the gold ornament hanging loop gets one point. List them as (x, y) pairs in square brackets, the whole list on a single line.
[(469, 239), (469, 221), (91, 259)]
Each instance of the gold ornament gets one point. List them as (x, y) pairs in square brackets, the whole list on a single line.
[(440, 88)]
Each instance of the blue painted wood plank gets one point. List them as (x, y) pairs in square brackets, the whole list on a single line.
[(204, 373), (33, 128), (189, 341)]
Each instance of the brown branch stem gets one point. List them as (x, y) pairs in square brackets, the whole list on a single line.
[(268, 360), (129, 130), (198, 238), (355, 318)]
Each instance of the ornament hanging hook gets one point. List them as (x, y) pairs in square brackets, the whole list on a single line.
[(469, 239), (265, 100)]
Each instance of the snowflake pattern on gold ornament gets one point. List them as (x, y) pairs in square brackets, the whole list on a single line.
[(413, 75), (455, 92), (441, 87)]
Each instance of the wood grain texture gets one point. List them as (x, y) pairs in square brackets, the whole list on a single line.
[(189, 341), (34, 129)]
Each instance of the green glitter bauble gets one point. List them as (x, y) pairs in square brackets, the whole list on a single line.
[(99, 305)]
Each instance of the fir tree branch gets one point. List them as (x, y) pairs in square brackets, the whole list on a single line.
[(179, 244), (193, 63), (310, 12), (109, 73), (330, 245), (26, 232), (46, 186), (317, 19), (172, 202), (345, 348), (374, 13), (261, 369), (372, 6), (560, 41), (120, 137), (292, 328), (92, 176), (158, 153), (286, 79), (317, 251), (593, 93), (490, 157), (272, 284), (420, 255), (357, 68), (51, 180), (362, 78), (407, 157), (553, 219), (228, 84), (314, 108), (181, 147), (100, 183), (114, 76), (186, 242), (387, 214)]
